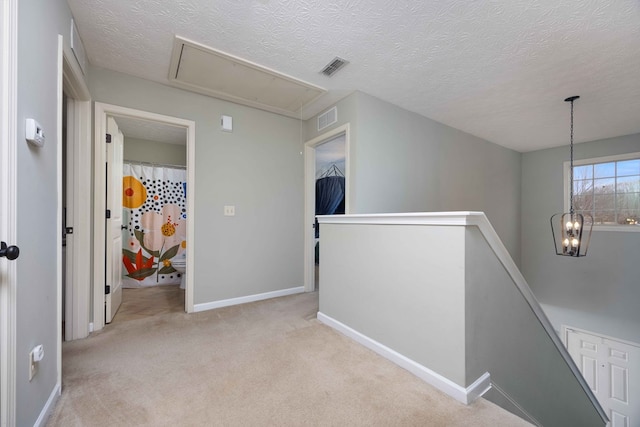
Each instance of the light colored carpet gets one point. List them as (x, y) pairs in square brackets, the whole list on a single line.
[(269, 363)]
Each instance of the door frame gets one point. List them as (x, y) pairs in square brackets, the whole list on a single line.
[(310, 194), (101, 111), (78, 263), (8, 200)]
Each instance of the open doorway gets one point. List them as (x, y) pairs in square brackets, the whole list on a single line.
[(75, 167), (109, 257), (153, 229), (326, 191)]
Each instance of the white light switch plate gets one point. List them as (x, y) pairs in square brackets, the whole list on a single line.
[(229, 211)]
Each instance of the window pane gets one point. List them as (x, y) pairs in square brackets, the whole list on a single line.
[(628, 184), (604, 217), (629, 167), (609, 191), (628, 201), (583, 186), (583, 172), (628, 218), (605, 185), (604, 202), (583, 203), (604, 170)]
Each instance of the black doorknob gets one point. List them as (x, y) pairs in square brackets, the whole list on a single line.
[(11, 252)]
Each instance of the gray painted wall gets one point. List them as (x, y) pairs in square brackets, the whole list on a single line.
[(505, 338), (599, 292), (258, 168), (393, 285), (39, 24), (403, 162), (142, 150)]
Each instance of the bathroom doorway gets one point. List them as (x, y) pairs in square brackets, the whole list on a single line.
[(154, 165), (140, 127), (326, 191)]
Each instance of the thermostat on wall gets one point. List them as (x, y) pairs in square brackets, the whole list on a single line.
[(34, 133)]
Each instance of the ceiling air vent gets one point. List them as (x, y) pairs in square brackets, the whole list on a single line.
[(327, 118), (333, 66)]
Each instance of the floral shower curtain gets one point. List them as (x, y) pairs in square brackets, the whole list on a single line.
[(154, 213)]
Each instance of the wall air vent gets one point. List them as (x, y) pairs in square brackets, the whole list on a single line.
[(333, 66), (205, 70), (327, 118)]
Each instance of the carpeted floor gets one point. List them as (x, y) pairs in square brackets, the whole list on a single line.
[(269, 363)]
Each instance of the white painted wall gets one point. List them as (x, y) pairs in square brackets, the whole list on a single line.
[(258, 168), (142, 150), (599, 292)]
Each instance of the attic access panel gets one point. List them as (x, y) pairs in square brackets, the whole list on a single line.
[(211, 72)]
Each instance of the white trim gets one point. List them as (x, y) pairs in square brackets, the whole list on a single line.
[(78, 283), (529, 417), (605, 159), (249, 298), (59, 217), (100, 125), (462, 394), (79, 190), (410, 218), (8, 206), (49, 406), (310, 194)]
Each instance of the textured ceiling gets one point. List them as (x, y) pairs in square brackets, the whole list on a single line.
[(496, 69)]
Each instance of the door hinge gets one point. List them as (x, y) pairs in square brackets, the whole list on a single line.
[(108, 138), (107, 290), (108, 213)]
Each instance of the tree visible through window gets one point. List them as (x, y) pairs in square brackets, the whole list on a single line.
[(609, 191)]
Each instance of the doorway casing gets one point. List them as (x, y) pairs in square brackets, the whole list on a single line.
[(78, 154), (100, 124), (310, 195)]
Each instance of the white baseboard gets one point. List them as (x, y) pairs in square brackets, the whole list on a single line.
[(249, 298), (461, 394), (48, 407)]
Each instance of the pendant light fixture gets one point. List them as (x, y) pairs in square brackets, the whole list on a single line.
[(571, 231)]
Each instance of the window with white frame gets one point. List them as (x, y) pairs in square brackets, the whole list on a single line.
[(608, 188)]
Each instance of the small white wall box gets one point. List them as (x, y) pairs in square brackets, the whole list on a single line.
[(227, 123), (34, 133)]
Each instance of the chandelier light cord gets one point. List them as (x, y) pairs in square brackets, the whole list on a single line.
[(571, 211)]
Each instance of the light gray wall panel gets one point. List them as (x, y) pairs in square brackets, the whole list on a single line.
[(505, 338), (387, 283), (39, 24), (599, 292), (403, 162), (258, 168)]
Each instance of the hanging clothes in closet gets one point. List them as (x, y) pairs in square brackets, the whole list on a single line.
[(330, 194)]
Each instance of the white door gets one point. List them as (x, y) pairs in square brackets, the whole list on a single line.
[(612, 370), (113, 262)]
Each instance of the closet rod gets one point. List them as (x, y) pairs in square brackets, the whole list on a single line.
[(162, 165)]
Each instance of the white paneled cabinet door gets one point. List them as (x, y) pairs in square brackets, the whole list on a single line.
[(113, 261), (612, 370)]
